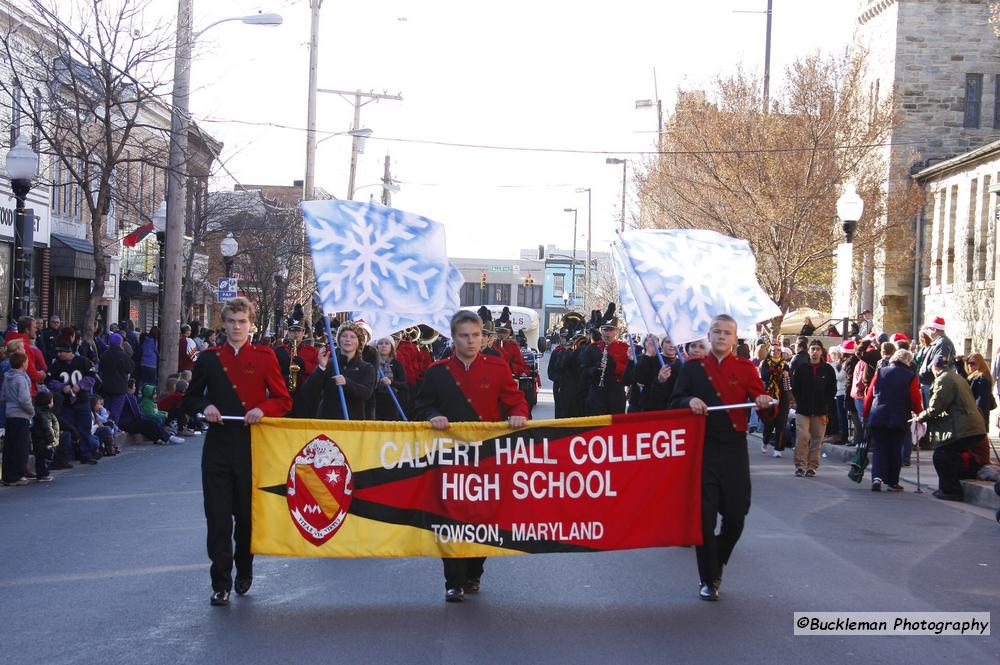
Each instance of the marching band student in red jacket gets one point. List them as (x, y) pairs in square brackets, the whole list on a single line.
[(469, 386)]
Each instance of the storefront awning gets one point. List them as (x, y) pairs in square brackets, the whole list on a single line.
[(132, 288), (71, 257)]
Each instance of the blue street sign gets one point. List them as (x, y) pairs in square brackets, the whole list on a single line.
[(227, 289)]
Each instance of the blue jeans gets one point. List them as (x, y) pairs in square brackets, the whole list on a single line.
[(80, 417), (842, 416), (859, 404), (755, 421)]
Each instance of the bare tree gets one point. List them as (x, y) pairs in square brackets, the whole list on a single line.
[(268, 248), (86, 81), (774, 179)]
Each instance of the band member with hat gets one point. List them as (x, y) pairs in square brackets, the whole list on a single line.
[(468, 387), (605, 368), (409, 355), (294, 352), (717, 379), (489, 334), (508, 348), (237, 378)]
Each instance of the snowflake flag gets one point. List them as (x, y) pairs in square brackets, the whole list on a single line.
[(635, 315), (689, 276), (388, 266)]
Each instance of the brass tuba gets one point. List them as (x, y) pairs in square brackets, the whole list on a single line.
[(427, 335)]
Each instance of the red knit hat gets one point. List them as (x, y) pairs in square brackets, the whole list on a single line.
[(899, 337)]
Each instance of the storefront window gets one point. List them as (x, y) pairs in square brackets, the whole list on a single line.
[(6, 274)]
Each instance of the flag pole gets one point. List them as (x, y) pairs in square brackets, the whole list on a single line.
[(744, 405), (333, 355), (392, 393)]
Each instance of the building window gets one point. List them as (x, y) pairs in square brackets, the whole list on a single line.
[(471, 295), (529, 296), (973, 99), (558, 284), (996, 102)]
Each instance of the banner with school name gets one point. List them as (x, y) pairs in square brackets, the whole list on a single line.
[(401, 489)]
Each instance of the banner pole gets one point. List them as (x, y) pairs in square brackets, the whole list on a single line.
[(333, 354), (234, 419), (392, 393)]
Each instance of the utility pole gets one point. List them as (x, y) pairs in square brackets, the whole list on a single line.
[(767, 53), (386, 181), (358, 95), (308, 189), (767, 60), (170, 323), (309, 183)]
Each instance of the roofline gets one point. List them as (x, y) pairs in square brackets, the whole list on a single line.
[(960, 160)]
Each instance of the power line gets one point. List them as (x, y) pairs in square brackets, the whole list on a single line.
[(582, 151)]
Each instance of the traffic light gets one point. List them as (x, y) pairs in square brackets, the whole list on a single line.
[(528, 281), (482, 280)]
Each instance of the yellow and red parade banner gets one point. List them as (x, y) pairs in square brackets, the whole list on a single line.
[(397, 489)]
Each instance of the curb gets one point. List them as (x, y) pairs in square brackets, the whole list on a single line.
[(976, 492)]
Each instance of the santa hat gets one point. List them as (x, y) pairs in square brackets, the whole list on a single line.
[(899, 337), (936, 324), (872, 336), (848, 347)]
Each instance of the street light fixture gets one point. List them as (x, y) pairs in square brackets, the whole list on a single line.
[(586, 276), (22, 168), (228, 248), (624, 163), (172, 280), (573, 274), (850, 207)]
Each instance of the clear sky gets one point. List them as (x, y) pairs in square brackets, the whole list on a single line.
[(544, 73)]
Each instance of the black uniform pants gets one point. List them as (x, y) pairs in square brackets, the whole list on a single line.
[(725, 491), (226, 484), (459, 571)]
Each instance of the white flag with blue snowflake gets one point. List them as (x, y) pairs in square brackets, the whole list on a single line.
[(689, 276), (634, 315), (388, 266)]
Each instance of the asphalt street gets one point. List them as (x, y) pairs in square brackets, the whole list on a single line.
[(107, 565)]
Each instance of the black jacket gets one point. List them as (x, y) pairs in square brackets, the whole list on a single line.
[(655, 396), (385, 408), (814, 389), (321, 395), (116, 365)]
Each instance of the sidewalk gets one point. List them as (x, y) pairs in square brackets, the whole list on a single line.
[(977, 492)]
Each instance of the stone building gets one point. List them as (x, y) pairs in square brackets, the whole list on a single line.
[(957, 266), (941, 61)]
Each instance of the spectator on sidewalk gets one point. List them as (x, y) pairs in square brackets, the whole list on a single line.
[(940, 347), (149, 356), (837, 362), (891, 399), (74, 377), (954, 426), (116, 368), (47, 439), (865, 324), (133, 422), (814, 386), (981, 382), (850, 406), (775, 374), (16, 396), (47, 338)]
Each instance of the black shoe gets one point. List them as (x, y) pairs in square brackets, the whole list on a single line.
[(810, 473), (877, 485), (799, 473), (708, 592), (896, 488), (938, 494), (472, 585), (243, 585), (456, 595), (220, 598)]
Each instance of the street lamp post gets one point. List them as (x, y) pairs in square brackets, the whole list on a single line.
[(170, 319), (22, 168), (624, 163), (850, 207), (572, 279), (160, 226), (228, 248), (280, 284), (586, 275)]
